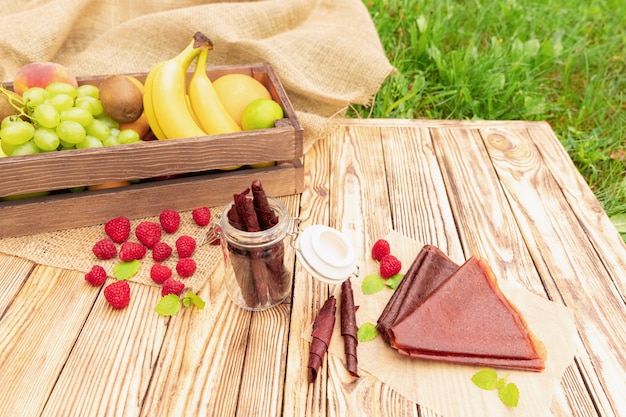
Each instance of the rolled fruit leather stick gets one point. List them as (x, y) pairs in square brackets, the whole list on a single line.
[(321, 334), (246, 212), (349, 327), (279, 281)]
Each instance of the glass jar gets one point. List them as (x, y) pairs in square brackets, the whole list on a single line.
[(258, 275)]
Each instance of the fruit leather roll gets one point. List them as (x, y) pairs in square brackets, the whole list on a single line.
[(278, 280), (322, 332), (247, 214), (430, 268), (240, 260), (349, 327)]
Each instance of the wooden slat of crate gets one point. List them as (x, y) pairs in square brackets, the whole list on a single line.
[(70, 210)]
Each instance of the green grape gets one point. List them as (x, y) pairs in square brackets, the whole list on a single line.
[(46, 115), (46, 139), (27, 148), (17, 133), (61, 102), (34, 96), (114, 131), (8, 120), (66, 145), (71, 132), (110, 141), (59, 87), (88, 90), (112, 123), (128, 136), (98, 129), (78, 115), (6, 148), (91, 104), (89, 142)]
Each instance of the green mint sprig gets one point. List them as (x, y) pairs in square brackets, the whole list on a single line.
[(170, 304), (126, 270), (488, 379), (366, 332)]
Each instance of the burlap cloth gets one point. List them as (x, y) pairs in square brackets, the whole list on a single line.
[(326, 54)]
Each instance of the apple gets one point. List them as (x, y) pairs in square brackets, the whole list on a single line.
[(40, 74)]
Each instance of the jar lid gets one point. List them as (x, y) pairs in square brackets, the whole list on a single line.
[(326, 254)]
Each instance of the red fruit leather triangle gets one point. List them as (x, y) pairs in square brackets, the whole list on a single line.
[(467, 319)]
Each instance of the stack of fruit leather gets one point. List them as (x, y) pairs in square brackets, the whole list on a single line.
[(444, 312)]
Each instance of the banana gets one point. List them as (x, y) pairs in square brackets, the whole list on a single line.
[(205, 103), (167, 97), (147, 105)]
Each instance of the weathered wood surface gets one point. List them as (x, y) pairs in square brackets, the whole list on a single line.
[(504, 190)]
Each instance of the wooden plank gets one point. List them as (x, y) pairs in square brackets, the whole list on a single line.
[(551, 229), (13, 273), (149, 199), (593, 219), (37, 333), (111, 364), (486, 223), (302, 399), (361, 209), (199, 368)]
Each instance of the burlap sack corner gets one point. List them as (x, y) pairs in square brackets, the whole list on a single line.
[(327, 55)]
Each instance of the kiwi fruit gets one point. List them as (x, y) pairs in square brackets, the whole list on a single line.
[(121, 98)]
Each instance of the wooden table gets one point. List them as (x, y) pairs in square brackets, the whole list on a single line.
[(506, 190)]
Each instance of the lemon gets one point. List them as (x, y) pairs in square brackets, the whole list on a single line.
[(261, 114), (236, 91)]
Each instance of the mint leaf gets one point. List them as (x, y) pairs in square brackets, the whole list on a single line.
[(488, 379), (125, 270), (366, 332), (168, 305), (509, 394), (485, 379), (192, 298), (372, 283), (394, 280)]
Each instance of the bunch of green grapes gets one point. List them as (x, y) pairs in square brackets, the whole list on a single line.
[(61, 117)]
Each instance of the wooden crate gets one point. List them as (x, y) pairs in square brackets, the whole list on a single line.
[(192, 164)]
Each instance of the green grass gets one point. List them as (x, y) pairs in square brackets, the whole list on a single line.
[(558, 61)]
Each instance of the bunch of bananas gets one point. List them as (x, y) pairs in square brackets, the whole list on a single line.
[(175, 111)]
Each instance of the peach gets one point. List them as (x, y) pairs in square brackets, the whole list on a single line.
[(40, 74)]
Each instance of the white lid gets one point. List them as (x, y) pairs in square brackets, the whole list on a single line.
[(326, 254)]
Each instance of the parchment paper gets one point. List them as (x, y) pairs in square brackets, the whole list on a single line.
[(447, 388)]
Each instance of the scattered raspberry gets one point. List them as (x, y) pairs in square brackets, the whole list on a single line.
[(159, 273), (185, 245), (170, 220), (186, 267), (201, 215), (131, 251), (105, 249), (118, 229), (380, 249), (148, 233), (389, 266), (171, 286), (117, 294), (97, 276), (161, 251)]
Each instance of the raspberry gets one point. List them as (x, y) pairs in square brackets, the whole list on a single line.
[(159, 273), (105, 248), (96, 276), (389, 266), (117, 294), (131, 251), (380, 249), (148, 233), (118, 229), (171, 286), (185, 245), (170, 220), (186, 267), (161, 251), (201, 215)]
